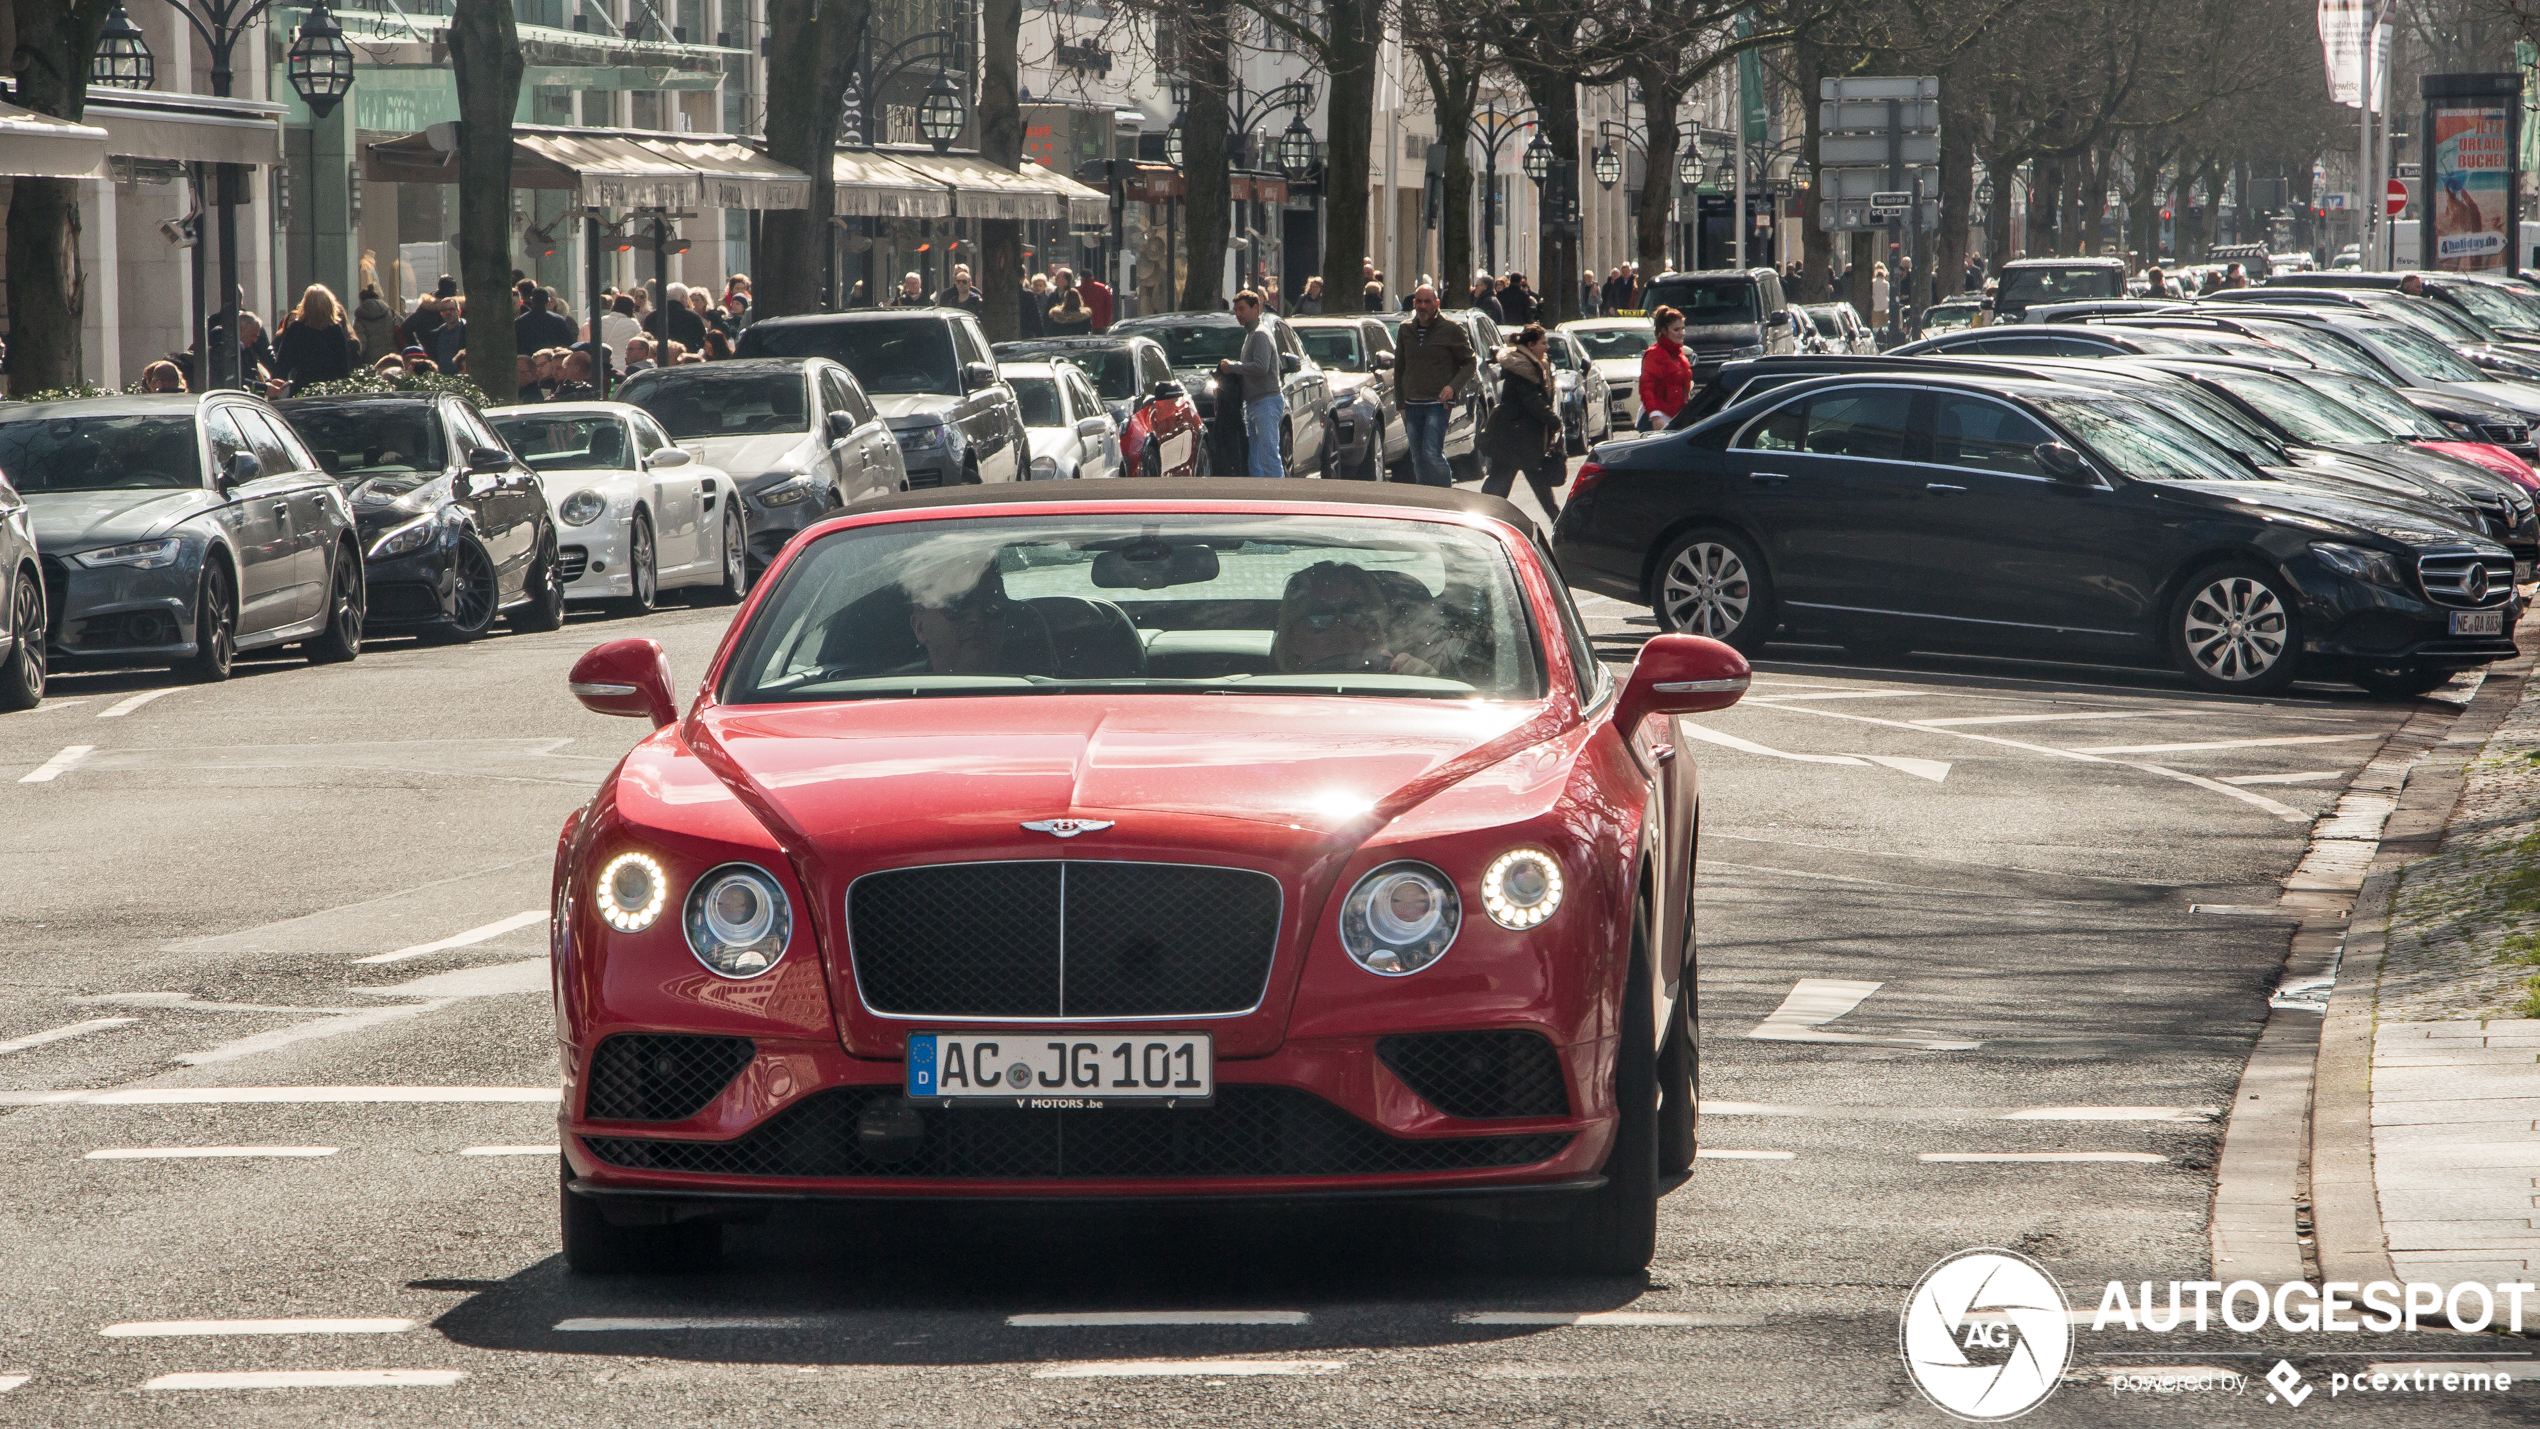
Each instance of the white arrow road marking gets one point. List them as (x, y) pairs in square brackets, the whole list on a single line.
[(1933, 769), (76, 1029), (469, 938), (1817, 1000), (59, 765)]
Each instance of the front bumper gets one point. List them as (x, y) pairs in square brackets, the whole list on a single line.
[(595, 562), (114, 617), (2347, 621), (770, 527), (410, 591)]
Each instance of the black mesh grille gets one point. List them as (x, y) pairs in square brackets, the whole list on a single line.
[(571, 562), (649, 1077), (1480, 1074), (1063, 939), (403, 600), (1250, 1131)]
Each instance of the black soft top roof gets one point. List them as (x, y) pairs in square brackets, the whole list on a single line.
[(1206, 491)]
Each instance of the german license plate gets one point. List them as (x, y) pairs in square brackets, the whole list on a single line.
[(1177, 450), (2522, 572), (1035, 1070), (2478, 622)]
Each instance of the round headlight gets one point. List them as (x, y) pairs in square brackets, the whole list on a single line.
[(582, 508), (1399, 918), (738, 921), (629, 892), (1521, 888)]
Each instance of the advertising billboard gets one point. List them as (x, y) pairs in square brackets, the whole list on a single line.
[(2471, 171)]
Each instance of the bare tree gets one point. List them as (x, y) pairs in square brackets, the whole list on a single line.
[(1441, 36), (485, 63), (811, 52), (49, 45), (1001, 144)]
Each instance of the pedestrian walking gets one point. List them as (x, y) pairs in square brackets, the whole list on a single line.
[(374, 325), (1036, 306), (1433, 368), (1068, 317), (1486, 297), (1666, 371), (1517, 301), (1878, 295), (1309, 303), (1525, 425), (1265, 406)]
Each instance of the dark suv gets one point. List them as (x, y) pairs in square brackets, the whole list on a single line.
[(2054, 280), (928, 372), (1728, 315)]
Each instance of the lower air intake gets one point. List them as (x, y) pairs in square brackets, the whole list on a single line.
[(657, 1077), (1480, 1075)]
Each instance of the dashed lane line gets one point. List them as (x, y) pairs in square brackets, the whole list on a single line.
[(1105, 1319), (639, 1324), (2307, 776), (472, 936), (59, 765), (280, 1096), (129, 704), (11, 1381), (1722, 1153), (312, 1379), (2130, 1158), (2277, 742), (1183, 1369), (1814, 1001), (1609, 1319), (512, 1151), (204, 1153), (176, 1329), (63, 1034)]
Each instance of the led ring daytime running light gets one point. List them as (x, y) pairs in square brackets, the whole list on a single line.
[(626, 905), (1521, 888)]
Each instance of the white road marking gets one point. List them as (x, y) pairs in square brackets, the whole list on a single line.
[(1719, 1153), (279, 1096), (313, 1379), (59, 1034), (2113, 1113), (197, 1153), (186, 1001), (1183, 1369), (490, 980), (2133, 1158), (1614, 1319), (126, 706), (11, 1381), (1106, 1318), (2043, 718), (1816, 1000), (59, 765), (2246, 910), (512, 1151), (598, 1324), (1933, 769), (2276, 742), (472, 936), (2307, 776), (1851, 695), (159, 1329), (309, 1031), (1844, 1112)]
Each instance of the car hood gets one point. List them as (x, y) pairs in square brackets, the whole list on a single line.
[(2360, 471), (2520, 398), (915, 409), (2448, 472), (1618, 369), (746, 457), (1058, 442), (68, 521), (384, 501), (2334, 513), (1347, 381)]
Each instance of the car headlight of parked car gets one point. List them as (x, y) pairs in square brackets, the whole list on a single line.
[(2372, 567), (795, 486), (407, 539), (629, 892), (140, 555), (1400, 918), (924, 439), (582, 508), (1044, 468), (1521, 888), (738, 920)]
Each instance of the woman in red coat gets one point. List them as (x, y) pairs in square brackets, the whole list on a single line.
[(1666, 372)]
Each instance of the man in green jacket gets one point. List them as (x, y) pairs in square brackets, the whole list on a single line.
[(1433, 368)]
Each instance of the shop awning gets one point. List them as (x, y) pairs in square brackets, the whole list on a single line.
[(736, 175), (982, 190), (608, 168), (39, 146), (194, 129), (871, 186)]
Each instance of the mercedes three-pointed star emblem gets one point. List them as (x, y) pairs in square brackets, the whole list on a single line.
[(1067, 828)]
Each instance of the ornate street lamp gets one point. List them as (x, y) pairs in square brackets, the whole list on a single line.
[(321, 64), (1608, 165), (851, 113), (1538, 159), (939, 114), (1173, 142), (1689, 166), (1296, 149), (123, 59)]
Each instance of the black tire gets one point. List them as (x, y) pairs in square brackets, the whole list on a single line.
[(1711, 582), (215, 627), (22, 675), (970, 473), (1372, 466), (592, 1246), (2402, 682), (1467, 467), (1679, 1085), (480, 594), (544, 610), (643, 566), (347, 603), (1574, 441), (735, 583), (2234, 629), (1613, 1230)]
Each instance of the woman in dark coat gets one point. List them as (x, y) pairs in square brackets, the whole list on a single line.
[(1525, 427), (314, 345)]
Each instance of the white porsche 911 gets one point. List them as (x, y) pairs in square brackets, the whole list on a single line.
[(636, 514)]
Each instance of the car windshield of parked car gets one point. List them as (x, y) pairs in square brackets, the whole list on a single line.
[(362, 440), (2421, 358), (1198, 344), (1564, 357), (1195, 603), (1720, 303), (2217, 420), (1333, 347), (700, 402), (588, 443), (2059, 285), (1114, 373), (2319, 347), (1610, 342), (2309, 416), (1944, 317), (1039, 398), (101, 453), (2489, 305), (2435, 319), (1828, 325), (890, 356), (2386, 409), (2142, 441)]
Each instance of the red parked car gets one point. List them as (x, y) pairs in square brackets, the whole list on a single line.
[(1227, 839), (1159, 423)]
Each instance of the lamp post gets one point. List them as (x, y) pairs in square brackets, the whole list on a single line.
[(1247, 112), (320, 66), (123, 59), (942, 113), (1493, 127)]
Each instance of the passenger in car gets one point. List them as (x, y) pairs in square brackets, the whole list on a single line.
[(1333, 617)]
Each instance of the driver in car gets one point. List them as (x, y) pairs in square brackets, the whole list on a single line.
[(1333, 617), (957, 611)]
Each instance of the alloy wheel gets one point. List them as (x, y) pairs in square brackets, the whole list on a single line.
[(23, 686), (647, 571), (736, 560), (1707, 590), (477, 596), (2235, 629)]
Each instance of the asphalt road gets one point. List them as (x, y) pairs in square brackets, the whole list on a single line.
[(292, 913)]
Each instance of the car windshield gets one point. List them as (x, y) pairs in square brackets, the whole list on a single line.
[(2435, 320), (1606, 342), (1946, 317), (1198, 344), (2225, 425), (1828, 325), (363, 440), (1115, 372), (2387, 409), (2491, 305), (1143, 603), (2060, 285), (2306, 415), (1718, 303), (2142, 441), (101, 453), (1039, 399), (890, 356), (2319, 347), (692, 402), (567, 443), (1564, 356), (1334, 347), (2420, 358)]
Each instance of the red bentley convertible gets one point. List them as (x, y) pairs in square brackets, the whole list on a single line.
[(1227, 839)]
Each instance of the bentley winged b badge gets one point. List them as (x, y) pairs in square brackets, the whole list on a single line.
[(1067, 828)]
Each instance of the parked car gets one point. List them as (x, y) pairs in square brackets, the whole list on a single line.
[(1951, 315), (1469, 418), (23, 657), (1072, 436), (1356, 355), (1839, 328), (1614, 346), (1160, 431), (1196, 342), (1729, 314), (929, 374), (177, 531), (1316, 940), (2060, 340), (797, 433), (639, 515), (455, 527), (1957, 512), (1587, 411), (2024, 281)]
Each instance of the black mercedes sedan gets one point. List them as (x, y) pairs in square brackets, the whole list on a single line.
[(180, 530), (22, 654), (2038, 517), (454, 526)]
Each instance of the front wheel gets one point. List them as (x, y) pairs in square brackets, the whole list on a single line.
[(478, 596), (643, 568), (544, 610), (215, 627), (22, 678), (1613, 1230), (1679, 1085), (594, 1246), (2234, 630), (736, 566), (345, 607), (1711, 583)]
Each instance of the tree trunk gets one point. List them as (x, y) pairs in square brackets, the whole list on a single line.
[(811, 51), (1001, 144), (1556, 102), (1948, 257), (1451, 93), (1816, 244), (1658, 100), (485, 64), (1204, 162), (47, 293), (1356, 37), (2046, 196), (2002, 170)]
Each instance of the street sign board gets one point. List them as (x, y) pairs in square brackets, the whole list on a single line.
[(1881, 86), (1897, 201), (1843, 217), (1835, 151), (1856, 185), (2395, 201), (1838, 115)]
